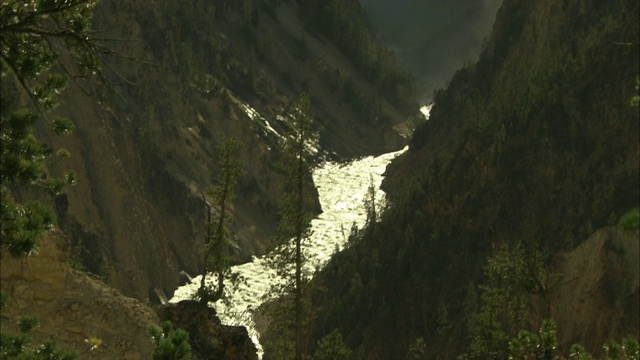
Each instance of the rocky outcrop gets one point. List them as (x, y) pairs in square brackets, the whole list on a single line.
[(209, 339), (73, 307), (597, 298)]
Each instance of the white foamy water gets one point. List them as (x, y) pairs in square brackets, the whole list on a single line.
[(342, 189), (426, 110)]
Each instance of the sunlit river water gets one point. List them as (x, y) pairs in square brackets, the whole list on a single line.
[(342, 190)]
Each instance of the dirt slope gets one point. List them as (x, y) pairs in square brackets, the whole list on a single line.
[(598, 297), (72, 306)]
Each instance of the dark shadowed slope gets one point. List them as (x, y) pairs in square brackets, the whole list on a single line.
[(432, 38), (536, 144)]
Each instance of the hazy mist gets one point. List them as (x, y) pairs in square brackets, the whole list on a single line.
[(432, 38)]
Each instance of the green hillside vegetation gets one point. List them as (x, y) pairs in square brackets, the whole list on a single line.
[(535, 144)]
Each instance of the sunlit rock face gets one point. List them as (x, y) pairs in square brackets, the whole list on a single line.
[(432, 38), (71, 306)]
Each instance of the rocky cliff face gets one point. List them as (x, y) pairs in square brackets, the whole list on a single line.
[(73, 307), (208, 338), (537, 144), (181, 78), (598, 297)]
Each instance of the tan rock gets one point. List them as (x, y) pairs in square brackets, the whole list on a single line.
[(72, 307), (47, 266), (133, 355), (601, 274), (22, 296), (44, 295), (74, 329)]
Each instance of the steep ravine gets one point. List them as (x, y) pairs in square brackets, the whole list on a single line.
[(144, 147), (343, 190)]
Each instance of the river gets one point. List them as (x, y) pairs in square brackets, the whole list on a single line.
[(342, 188)]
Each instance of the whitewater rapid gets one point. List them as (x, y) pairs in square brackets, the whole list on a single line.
[(342, 188)]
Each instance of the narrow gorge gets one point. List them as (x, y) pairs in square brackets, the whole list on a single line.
[(473, 189)]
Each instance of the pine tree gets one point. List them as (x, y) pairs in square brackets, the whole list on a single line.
[(285, 254), (43, 44), (215, 259), (170, 343), (35, 36), (417, 350), (503, 309), (20, 346), (332, 347)]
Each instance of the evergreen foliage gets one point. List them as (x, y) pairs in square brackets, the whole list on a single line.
[(35, 36), (332, 347), (499, 327), (43, 44), (4, 299), (417, 350), (628, 349), (170, 343), (285, 253), (19, 346), (635, 100), (511, 146), (216, 260), (528, 345), (630, 221), (503, 310)]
